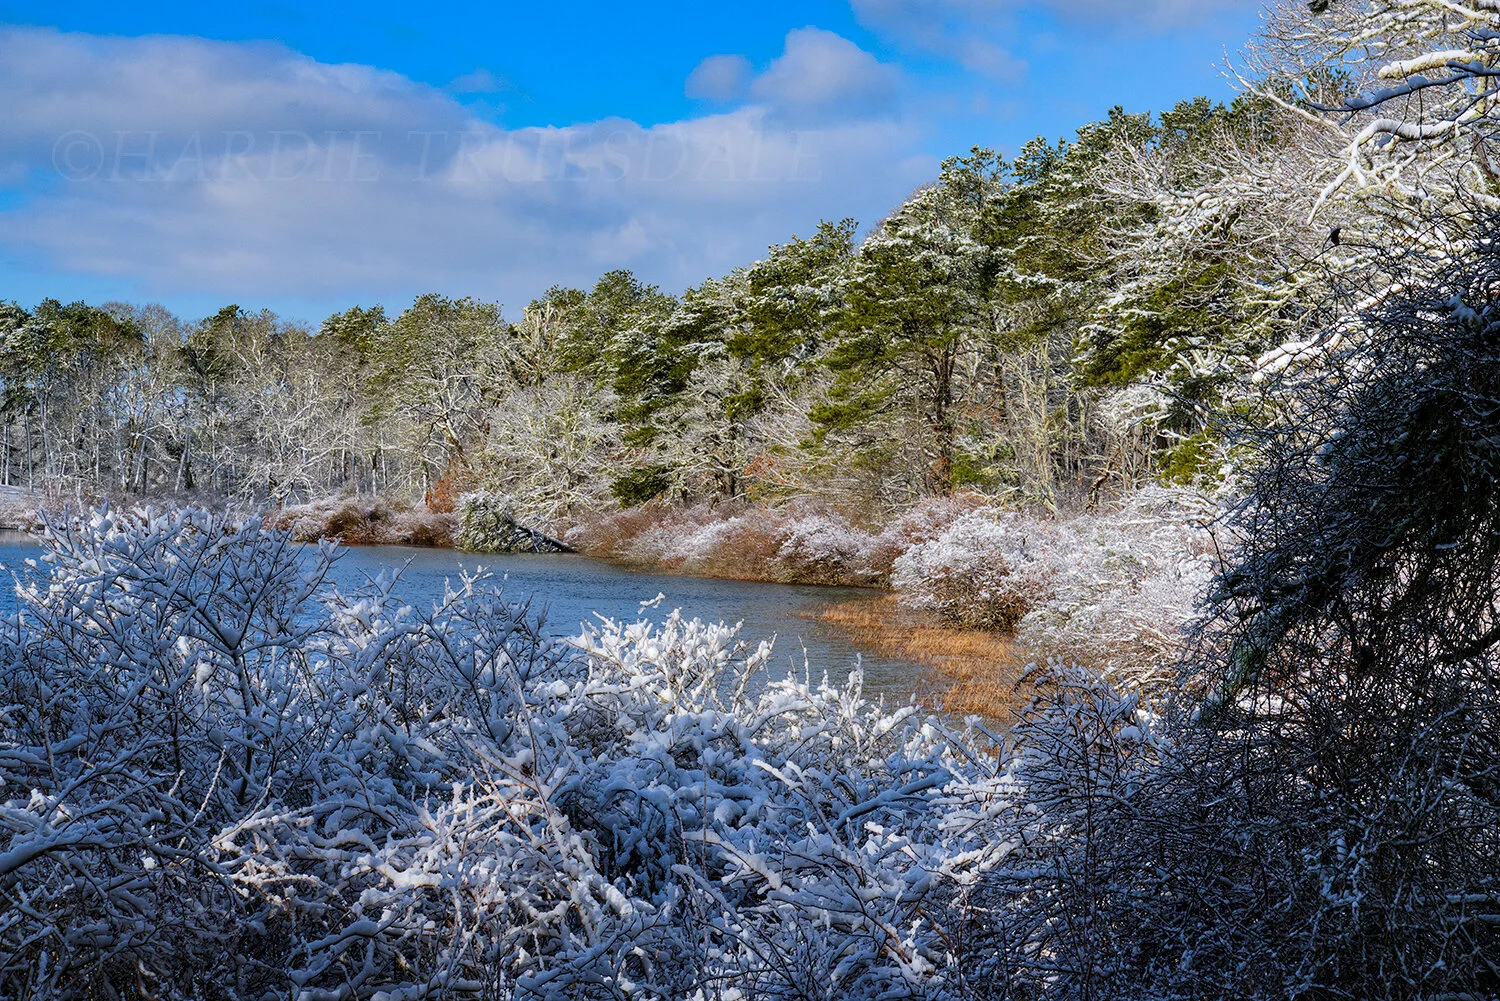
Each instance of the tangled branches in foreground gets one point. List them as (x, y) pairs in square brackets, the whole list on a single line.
[(223, 780), (1355, 678)]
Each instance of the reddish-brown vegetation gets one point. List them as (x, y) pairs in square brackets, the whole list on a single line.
[(974, 671), (363, 521), (442, 497), (792, 544)]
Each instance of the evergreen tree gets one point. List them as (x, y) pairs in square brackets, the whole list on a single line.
[(917, 308)]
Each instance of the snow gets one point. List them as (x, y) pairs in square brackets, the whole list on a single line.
[(1115, 588), (361, 799)]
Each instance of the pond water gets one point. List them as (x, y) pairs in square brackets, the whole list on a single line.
[(572, 590)]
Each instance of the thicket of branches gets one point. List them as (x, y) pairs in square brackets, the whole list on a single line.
[(223, 780)]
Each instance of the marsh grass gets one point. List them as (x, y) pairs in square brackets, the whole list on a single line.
[(974, 671)]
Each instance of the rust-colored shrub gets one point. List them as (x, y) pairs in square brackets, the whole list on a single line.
[(608, 536), (361, 521), (791, 544), (921, 523), (442, 497)]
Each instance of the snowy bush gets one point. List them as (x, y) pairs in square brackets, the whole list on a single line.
[(689, 540), (221, 778), (922, 522), (822, 548), (1127, 583), (366, 521), (987, 570), (1114, 588)]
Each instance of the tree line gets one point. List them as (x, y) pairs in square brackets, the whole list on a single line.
[(1052, 326)]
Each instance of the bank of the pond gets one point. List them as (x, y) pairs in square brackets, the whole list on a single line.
[(1108, 589), (829, 601), (794, 543), (903, 651)]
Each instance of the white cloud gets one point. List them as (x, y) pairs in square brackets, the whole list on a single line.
[(822, 73), (944, 27), (719, 78), (185, 166), (55, 82)]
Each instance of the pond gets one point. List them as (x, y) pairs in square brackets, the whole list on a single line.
[(572, 590)]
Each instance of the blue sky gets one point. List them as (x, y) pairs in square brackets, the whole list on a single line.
[(308, 157)]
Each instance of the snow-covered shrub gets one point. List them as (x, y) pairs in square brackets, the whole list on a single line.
[(18, 508), (207, 779), (366, 521), (219, 777), (1127, 582), (1113, 589), (987, 570), (923, 522), (690, 539), (790, 544), (1052, 889), (820, 548), (649, 534), (157, 696), (607, 535)]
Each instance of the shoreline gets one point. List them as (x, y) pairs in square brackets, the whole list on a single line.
[(968, 671), (701, 573)]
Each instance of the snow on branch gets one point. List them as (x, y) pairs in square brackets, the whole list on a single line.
[(1394, 78), (219, 775)]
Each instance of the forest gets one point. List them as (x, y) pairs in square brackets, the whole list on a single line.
[(1049, 329), (1198, 406)]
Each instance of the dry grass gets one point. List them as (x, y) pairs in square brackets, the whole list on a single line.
[(974, 671)]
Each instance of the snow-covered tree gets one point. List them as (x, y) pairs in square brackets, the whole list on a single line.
[(1406, 86), (915, 321)]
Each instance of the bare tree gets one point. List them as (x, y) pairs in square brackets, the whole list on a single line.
[(1406, 87)]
